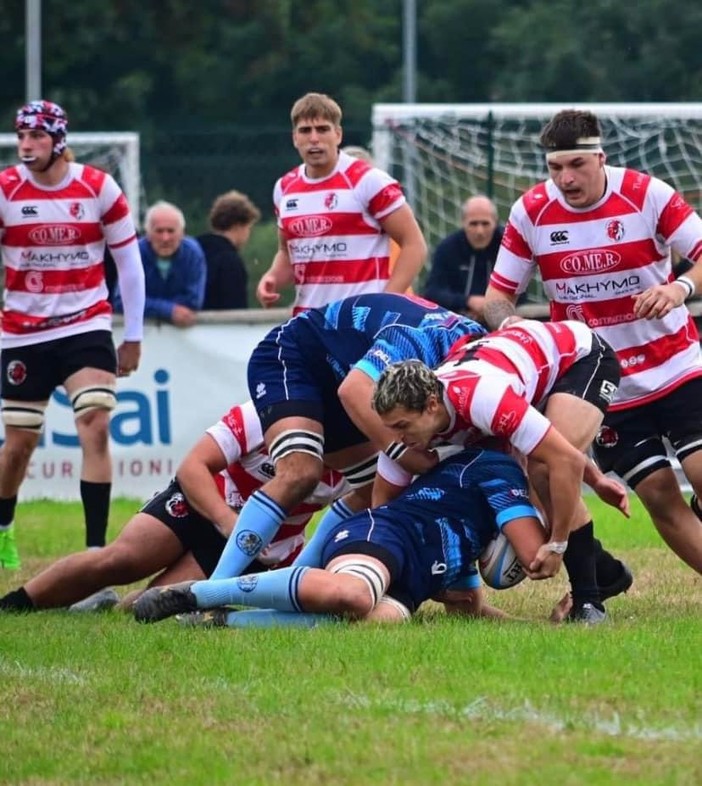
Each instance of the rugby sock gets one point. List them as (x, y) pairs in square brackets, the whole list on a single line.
[(275, 589), (579, 561), (17, 600), (96, 509), (271, 618), (7, 511), (607, 568), (258, 521), (311, 555)]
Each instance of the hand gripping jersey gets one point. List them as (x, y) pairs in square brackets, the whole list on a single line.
[(53, 243), (336, 244), (239, 437), (594, 261)]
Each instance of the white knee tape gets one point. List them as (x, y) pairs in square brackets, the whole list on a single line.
[(20, 414), (297, 441), (367, 572), (402, 610), (93, 397)]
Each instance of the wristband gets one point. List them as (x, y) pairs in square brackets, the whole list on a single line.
[(557, 546), (395, 450), (688, 283)]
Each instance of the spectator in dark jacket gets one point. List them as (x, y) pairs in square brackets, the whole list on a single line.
[(231, 219), (463, 260), (174, 267)]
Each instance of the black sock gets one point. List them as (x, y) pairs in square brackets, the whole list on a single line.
[(579, 561), (694, 504), (607, 568), (96, 508), (17, 600), (7, 510)]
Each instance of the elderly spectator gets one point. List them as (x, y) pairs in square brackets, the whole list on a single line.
[(232, 218), (463, 260), (174, 267)]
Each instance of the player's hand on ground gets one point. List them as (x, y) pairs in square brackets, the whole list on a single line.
[(128, 356), (561, 609), (545, 565), (656, 302)]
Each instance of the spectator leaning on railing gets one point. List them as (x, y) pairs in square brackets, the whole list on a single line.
[(174, 268)]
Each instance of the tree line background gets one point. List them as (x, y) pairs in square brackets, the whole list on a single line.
[(209, 85)]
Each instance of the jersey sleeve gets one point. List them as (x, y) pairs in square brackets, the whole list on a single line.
[(515, 264), (491, 405), (380, 193), (238, 432), (392, 472), (677, 223)]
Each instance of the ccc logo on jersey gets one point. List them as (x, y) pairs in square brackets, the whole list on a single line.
[(559, 237)]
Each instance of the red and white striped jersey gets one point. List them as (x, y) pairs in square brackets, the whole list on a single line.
[(336, 244), (240, 439), (53, 244), (493, 385), (594, 261)]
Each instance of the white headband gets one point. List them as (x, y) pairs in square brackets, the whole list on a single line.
[(585, 144)]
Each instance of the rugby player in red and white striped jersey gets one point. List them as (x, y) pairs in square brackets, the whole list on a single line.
[(601, 238), (509, 385), (336, 215), (180, 533), (55, 218)]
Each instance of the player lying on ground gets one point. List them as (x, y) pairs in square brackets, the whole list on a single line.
[(311, 380), (383, 563), (180, 533), (499, 386)]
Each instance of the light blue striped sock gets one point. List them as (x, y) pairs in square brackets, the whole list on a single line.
[(271, 618), (275, 589), (311, 555), (259, 520)]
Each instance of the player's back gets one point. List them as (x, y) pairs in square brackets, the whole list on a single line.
[(457, 505), (399, 326)]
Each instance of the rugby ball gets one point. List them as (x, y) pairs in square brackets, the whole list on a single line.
[(498, 564)]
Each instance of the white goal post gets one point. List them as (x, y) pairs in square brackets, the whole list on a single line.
[(116, 152), (444, 153)]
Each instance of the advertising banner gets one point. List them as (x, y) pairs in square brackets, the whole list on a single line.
[(187, 380)]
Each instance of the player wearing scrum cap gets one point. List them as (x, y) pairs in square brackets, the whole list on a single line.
[(601, 238), (55, 218)]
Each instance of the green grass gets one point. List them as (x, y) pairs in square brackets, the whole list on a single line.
[(101, 700)]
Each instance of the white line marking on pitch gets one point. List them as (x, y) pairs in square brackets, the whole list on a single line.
[(482, 709)]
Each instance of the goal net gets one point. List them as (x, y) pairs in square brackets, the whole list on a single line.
[(116, 152), (444, 153)]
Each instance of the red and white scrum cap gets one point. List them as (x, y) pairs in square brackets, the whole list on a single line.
[(48, 117)]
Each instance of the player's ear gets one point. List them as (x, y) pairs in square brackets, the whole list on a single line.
[(432, 404)]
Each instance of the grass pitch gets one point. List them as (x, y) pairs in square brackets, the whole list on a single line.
[(98, 699)]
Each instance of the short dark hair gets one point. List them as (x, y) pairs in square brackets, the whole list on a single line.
[(233, 209), (564, 129)]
